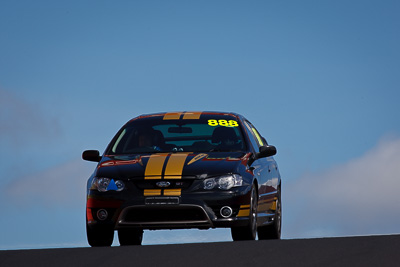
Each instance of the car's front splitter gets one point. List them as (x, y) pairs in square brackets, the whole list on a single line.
[(206, 209)]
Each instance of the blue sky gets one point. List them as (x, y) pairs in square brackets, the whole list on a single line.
[(319, 79)]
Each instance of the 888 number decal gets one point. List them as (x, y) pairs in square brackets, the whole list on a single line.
[(226, 123)]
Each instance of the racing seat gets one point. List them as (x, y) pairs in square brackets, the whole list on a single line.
[(227, 138), (202, 146), (159, 140)]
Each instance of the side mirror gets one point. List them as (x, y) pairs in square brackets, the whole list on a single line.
[(91, 155), (266, 151)]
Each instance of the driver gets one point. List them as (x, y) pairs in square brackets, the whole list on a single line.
[(146, 138)]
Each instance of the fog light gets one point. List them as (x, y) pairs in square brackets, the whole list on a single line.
[(102, 214), (226, 212)]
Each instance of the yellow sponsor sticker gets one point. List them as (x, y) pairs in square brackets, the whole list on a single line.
[(196, 158), (260, 142), (226, 123)]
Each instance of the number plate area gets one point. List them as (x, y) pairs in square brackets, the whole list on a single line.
[(161, 200)]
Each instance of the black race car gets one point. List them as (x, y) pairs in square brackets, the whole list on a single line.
[(183, 170)]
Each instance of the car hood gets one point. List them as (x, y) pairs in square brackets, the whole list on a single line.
[(171, 165)]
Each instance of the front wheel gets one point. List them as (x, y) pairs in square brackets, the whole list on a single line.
[(248, 232), (100, 236), (128, 237)]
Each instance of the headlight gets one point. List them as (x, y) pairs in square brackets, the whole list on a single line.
[(120, 185), (209, 183), (225, 182), (102, 184), (106, 184)]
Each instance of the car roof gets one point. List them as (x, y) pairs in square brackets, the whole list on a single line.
[(177, 114)]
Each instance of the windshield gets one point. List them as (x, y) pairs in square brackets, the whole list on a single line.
[(153, 134)]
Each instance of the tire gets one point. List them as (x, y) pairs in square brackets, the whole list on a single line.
[(273, 231), (129, 237), (249, 231), (99, 236)]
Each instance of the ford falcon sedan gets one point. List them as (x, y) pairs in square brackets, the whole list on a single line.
[(181, 170)]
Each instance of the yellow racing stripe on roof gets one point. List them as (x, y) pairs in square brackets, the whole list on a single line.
[(172, 116), (191, 115), (186, 115)]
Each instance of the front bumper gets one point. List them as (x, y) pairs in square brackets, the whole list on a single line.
[(189, 210)]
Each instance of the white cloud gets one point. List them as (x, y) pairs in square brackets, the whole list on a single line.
[(62, 185), (360, 197), (22, 121)]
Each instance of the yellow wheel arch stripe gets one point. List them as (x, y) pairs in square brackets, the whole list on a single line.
[(243, 213)]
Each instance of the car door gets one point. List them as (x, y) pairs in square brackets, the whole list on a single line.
[(265, 170)]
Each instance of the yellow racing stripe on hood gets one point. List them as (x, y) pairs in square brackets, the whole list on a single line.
[(155, 166), (175, 166)]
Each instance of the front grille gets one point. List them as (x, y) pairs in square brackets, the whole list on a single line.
[(165, 214), (161, 200), (174, 184)]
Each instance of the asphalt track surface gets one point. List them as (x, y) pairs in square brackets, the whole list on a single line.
[(344, 251)]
